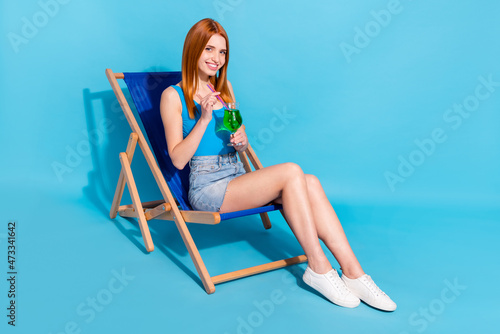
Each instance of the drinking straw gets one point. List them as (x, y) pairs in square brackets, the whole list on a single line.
[(213, 90)]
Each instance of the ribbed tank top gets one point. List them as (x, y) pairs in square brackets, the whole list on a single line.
[(216, 136)]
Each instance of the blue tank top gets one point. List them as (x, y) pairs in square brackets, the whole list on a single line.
[(216, 136)]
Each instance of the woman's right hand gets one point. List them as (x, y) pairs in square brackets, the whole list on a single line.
[(207, 105)]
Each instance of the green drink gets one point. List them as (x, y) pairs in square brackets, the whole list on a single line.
[(232, 118)]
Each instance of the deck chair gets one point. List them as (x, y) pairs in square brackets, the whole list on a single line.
[(145, 90)]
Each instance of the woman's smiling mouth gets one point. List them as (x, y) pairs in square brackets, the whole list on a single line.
[(212, 66)]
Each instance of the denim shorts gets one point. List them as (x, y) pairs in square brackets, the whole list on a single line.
[(208, 179)]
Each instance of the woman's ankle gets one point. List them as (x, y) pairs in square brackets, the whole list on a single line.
[(352, 273), (320, 267)]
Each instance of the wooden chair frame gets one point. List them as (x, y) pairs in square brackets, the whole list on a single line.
[(167, 208)]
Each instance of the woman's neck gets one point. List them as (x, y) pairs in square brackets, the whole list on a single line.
[(203, 81), (202, 84)]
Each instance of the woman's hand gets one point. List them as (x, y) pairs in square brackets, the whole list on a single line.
[(207, 105), (239, 139)]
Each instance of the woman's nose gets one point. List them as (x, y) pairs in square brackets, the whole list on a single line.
[(215, 58)]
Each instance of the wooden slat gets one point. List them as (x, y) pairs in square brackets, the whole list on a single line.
[(253, 158), (147, 205), (155, 212), (199, 217), (265, 220), (128, 212), (245, 162), (120, 187), (258, 269), (143, 224), (162, 184), (149, 213)]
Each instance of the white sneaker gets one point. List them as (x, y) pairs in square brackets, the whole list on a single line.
[(365, 289), (331, 286)]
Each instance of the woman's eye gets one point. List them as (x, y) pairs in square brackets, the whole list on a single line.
[(223, 52), (208, 49)]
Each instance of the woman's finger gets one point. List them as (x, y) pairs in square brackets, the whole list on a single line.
[(240, 131), (239, 137), (211, 95)]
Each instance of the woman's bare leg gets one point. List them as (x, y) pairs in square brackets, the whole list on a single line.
[(288, 182), (311, 216), (330, 230)]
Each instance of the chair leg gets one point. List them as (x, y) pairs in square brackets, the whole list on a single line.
[(208, 284), (265, 220), (120, 187), (245, 162), (146, 235), (121, 180)]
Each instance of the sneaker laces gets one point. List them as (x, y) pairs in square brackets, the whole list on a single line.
[(337, 282), (372, 286)]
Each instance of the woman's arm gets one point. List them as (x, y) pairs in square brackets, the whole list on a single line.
[(182, 150)]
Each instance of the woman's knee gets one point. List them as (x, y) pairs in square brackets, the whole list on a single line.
[(292, 170), (312, 181)]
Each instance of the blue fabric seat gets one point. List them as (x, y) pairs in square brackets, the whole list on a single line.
[(145, 89)]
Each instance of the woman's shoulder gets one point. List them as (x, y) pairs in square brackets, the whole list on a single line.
[(171, 91), (170, 97)]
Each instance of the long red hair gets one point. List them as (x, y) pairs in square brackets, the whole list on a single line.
[(196, 40)]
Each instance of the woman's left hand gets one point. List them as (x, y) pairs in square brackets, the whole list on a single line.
[(239, 139)]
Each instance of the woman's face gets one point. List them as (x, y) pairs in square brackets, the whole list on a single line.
[(213, 56)]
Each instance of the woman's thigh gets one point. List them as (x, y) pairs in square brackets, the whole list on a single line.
[(259, 187)]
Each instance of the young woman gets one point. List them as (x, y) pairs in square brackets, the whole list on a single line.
[(192, 116)]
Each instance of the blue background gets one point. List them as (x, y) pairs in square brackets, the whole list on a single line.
[(349, 118)]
